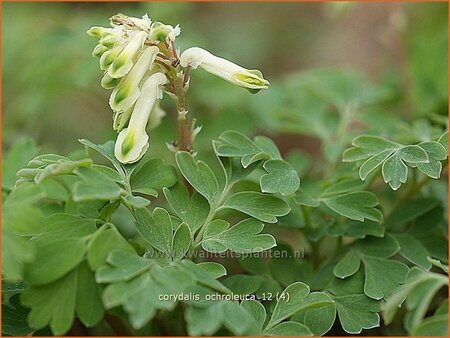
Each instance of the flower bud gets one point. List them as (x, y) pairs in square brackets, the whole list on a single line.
[(121, 119), (99, 50), (109, 40), (109, 82), (132, 142), (109, 56), (124, 61), (160, 32), (252, 80), (98, 32), (127, 91)]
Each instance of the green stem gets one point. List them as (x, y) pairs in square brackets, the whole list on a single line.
[(212, 212)]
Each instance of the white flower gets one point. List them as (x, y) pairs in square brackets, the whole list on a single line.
[(127, 91), (250, 79), (124, 61), (132, 142)]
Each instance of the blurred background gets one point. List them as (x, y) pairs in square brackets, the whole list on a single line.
[(388, 61)]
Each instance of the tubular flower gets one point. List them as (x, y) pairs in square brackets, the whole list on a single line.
[(250, 79), (132, 142), (127, 91)]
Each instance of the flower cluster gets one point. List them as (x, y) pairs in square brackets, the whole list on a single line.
[(141, 62)]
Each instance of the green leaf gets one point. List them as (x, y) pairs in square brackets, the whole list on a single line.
[(342, 187), (357, 229), (356, 205), (22, 219), (59, 226), (287, 266), (367, 146), (443, 140), (156, 229), (303, 198), (234, 144), (104, 241), (16, 158), (243, 237), (412, 210), (260, 206), (137, 202), (382, 276), (395, 172), (123, 266), (436, 153), (203, 320), (268, 146), (413, 154), (105, 149), (373, 163), (357, 312), (433, 326), (111, 173), (206, 320), (236, 318), (419, 290), (413, 250), (434, 150), (299, 300), (393, 157), (288, 329), (256, 310), (95, 185), (281, 178), (216, 270), (60, 167), (14, 318), (193, 211), (52, 304), (318, 320), (153, 174), (379, 247), (202, 276), (48, 266), (348, 265), (439, 264), (182, 241), (89, 306), (243, 284), (117, 293), (199, 175)]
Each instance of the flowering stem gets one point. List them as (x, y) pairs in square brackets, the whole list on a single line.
[(184, 130), (177, 84)]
